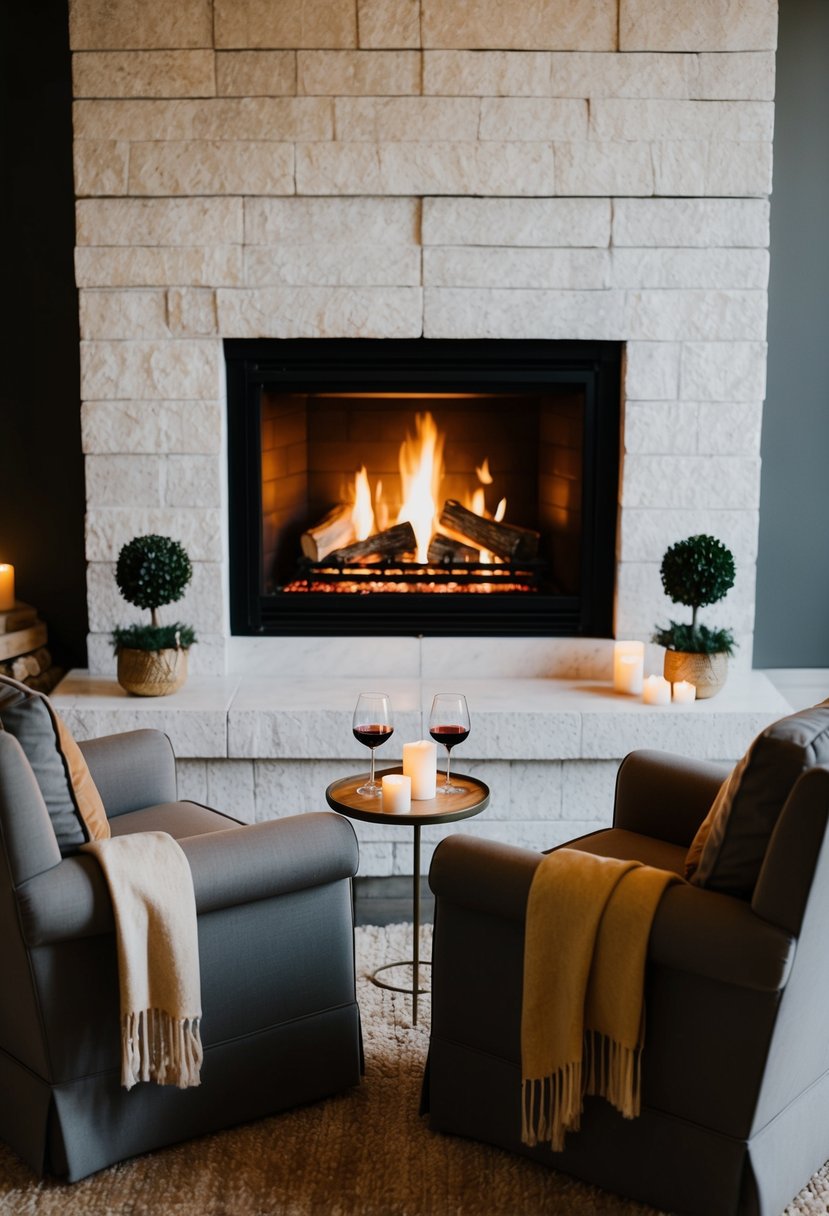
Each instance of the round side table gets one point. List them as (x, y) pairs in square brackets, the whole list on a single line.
[(342, 796)]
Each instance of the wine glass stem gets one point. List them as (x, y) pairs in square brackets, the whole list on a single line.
[(448, 761), (371, 778)]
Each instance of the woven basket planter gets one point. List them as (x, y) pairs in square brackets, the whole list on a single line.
[(707, 672), (152, 673)]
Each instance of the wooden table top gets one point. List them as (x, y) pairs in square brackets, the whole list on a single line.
[(342, 796)]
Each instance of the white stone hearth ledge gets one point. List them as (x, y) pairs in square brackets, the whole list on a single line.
[(267, 718), (261, 747)]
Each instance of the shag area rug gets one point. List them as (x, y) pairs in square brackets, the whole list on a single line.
[(365, 1153)]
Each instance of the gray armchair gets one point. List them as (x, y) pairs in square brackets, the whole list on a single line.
[(735, 1112), (280, 1020)]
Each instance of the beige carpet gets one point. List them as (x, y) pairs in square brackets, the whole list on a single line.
[(367, 1152)]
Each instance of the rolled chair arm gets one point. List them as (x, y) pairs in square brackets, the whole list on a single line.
[(797, 847), (132, 770), (483, 875), (237, 866), (667, 796), (695, 931)]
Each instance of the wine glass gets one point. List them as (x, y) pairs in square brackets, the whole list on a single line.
[(372, 725), (449, 725)]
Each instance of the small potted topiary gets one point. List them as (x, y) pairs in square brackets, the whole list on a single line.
[(696, 572), (152, 659)]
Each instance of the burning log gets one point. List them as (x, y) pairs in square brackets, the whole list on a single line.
[(445, 549), (332, 532), (391, 543), (505, 540)]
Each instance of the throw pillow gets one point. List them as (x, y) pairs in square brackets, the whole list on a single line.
[(728, 849), (70, 794)]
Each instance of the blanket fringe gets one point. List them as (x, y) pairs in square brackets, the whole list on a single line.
[(551, 1106), (158, 1047)]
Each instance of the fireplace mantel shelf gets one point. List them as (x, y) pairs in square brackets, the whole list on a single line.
[(263, 717)]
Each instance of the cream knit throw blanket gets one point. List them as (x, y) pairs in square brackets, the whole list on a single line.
[(158, 957), (582, 1022)]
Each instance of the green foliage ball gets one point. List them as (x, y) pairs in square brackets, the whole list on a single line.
[(697, 571), (152, 571)]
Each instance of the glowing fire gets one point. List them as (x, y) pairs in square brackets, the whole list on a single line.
[(421, 474), (361, 512)]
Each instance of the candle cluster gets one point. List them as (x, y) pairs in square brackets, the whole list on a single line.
[(629, 677), (417, 782)]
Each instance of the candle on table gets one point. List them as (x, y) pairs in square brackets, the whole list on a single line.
[(684, 692), (420, 762), (656, 691), (397, 793), (6, 587), (628, 666)]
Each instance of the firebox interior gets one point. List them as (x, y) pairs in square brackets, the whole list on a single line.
[(526, 438)]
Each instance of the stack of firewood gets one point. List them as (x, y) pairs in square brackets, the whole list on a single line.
[(24, 654), (462, 536)]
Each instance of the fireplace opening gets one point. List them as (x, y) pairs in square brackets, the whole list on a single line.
[(422, 486)]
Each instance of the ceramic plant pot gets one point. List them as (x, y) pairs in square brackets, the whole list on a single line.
[(152, 673), (707, 672)]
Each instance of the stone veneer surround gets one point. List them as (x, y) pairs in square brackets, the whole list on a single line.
[(389, 168)]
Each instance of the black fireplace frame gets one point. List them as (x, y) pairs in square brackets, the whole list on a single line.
[(425, 365)]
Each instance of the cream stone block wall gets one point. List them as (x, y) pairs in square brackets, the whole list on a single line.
[(392, 168)]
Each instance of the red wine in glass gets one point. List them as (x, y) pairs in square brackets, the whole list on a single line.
[(372, 726), (449, 725), (373, 734)]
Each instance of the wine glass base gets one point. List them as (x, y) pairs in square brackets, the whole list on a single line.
[(450, 789), (370, 791)]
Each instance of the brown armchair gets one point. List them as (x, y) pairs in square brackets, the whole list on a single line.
[(735, 1113)]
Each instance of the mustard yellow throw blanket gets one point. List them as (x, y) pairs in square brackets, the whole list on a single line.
[(582, 1022), (156, 931)]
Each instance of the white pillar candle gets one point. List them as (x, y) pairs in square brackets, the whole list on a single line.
[(6, 587), (397, 793), (684, 692), (420, 762), (628, 666), (656, 691)]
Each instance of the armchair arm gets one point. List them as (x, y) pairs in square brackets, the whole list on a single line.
[(132, 770), (667, 796), (695, 931), (237, 866), (797, 849)]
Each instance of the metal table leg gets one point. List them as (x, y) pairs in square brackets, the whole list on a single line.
[(416, 963)]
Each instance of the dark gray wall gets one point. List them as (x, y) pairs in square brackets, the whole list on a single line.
[(792, 628), (41, 466)]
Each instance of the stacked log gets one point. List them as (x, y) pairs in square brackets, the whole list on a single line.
[(24, 655), (391, 543), (332, 532), (507, 541)]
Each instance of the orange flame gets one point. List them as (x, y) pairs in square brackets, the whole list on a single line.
[(361, 512), (421, 472)]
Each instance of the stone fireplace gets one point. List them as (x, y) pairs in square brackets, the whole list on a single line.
[(421, 171), (394, 169)]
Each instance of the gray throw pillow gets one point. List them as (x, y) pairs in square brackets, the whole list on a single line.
[(728, 850), (73, 802)]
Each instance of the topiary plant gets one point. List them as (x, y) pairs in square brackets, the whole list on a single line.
[(696, 572), (153, 571)]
